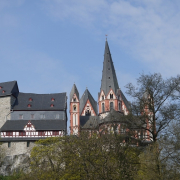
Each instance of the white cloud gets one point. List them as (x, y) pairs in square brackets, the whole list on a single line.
[(148, 29)]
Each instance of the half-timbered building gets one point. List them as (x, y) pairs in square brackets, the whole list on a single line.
[(27, 117)]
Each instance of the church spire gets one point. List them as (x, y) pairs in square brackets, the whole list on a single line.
[(109, 79)]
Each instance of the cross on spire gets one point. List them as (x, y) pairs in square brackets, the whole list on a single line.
[(106, 37)]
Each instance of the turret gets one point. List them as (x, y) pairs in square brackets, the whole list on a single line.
[(74, 111)]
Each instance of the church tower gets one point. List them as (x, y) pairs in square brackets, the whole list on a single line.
[(110, 96), (74, 111)]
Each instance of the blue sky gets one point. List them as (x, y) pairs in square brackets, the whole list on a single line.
[(47, 45)]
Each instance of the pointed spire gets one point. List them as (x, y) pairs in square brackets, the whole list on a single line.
[(74, 90), (109, 79)]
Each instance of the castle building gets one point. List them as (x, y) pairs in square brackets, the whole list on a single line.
[(27, 117), (84, 112)]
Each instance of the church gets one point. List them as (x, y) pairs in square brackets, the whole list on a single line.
[(28, 117), (89, 115)]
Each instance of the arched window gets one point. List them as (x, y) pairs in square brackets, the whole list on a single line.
[(103, 108), (111, 96), (102, 97), (119, 106), (111, 105), (74, 107), (88, 113)]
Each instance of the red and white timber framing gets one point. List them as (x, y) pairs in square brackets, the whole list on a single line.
[(30, 131)]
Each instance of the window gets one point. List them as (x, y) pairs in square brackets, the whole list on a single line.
[(32, 116), (102, 97), (57, 116), (108, 68), (9, 144), (111, 96), (29, 105), (74, 99), (88, 113), (41, 133), (42, 116), (103, 109), (9, 133), (119, 106), (0, 87), (52, 105), (28, 143), (55, 133), (21, 116), (22, 133), (74, 108), (109, 77), (52, 99), (3, 91), (111, 105), (30, 99)]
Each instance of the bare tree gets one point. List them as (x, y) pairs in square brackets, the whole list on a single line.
[(155, 103)]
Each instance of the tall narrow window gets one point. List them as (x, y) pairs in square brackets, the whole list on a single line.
[(111, 96), (103, 108), (74, 99), (28, 143), (102, 97), (119, 106), (75, 120), (111, 105), (74, 107), (9, 144)]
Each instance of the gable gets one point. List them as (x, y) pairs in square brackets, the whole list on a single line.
[(88, 109)]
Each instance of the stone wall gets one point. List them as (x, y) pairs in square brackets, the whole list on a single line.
[(16, 157), (5, 108), (17, 148)]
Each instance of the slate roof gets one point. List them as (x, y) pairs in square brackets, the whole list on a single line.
[(112, 116), (87, 95), (9, 88), (89, 122), (40, 102), (127, 103), (18, 125), (74, 90), (109, 79)]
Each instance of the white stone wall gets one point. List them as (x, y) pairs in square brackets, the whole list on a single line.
[(17, 148), (5, 108)]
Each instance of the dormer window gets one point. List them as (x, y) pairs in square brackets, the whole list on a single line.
[(52, 105), (29, 105), (30, 99), (0, 87), (102, 97), (52, 99), (3, 91), (74, 99), (111, 96)]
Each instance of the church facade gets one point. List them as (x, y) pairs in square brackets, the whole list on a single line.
[(87, 114)]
